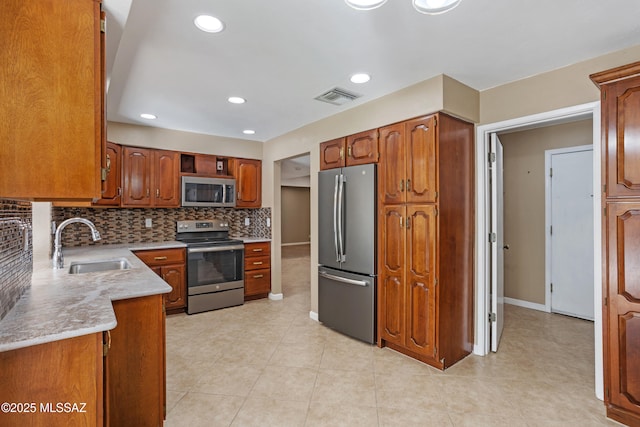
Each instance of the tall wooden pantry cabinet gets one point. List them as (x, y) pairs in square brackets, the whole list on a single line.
[(425, 238), (620, 99)]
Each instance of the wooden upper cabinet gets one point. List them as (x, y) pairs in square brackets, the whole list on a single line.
[(332, 154), (248, 175), (362, 148), (621, 130), (166, 179), (358, 149), (408, 168), (111, 189), (137, 164), (422, 159), (52, 87), (391, 170), (150, 178)]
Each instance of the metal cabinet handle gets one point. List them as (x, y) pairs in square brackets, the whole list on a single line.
[(148, 192), (157, 193), (341, 153), (349, 153), (160, 258), (257, 263), (408, 223), (401, 222), (108, 163), (408, 185), (402, 185), (257, 250), (258, 276)]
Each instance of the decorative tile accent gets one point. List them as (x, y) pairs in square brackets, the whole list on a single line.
[(16, 252), (128, 225)]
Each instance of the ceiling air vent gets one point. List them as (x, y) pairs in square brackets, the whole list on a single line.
[(337, 96)]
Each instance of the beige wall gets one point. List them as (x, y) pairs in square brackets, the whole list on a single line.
[(524, 204), (296, 215), (564, 87), (166, 139)]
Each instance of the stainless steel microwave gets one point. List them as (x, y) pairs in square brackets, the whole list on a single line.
[(208, 192)]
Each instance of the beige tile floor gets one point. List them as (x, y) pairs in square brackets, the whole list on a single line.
[(266, 363)]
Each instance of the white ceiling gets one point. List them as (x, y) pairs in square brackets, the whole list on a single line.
[(280, 54)]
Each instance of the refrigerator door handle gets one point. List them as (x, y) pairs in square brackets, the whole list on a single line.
[(335, 217), (343, 279), (343, 256)]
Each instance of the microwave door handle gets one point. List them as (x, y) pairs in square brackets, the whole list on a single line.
[(335, 217)]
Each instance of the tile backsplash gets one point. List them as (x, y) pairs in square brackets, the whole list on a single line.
[(128, 225), (16, 252)]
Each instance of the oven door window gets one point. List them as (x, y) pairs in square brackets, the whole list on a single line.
[(203, 193), (206, 268)]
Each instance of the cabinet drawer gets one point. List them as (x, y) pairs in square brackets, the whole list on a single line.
[(257, 263), (257, 249), (161, 256), (257, 282)]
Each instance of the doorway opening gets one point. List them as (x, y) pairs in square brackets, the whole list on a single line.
[(295, 230), (484, 274)]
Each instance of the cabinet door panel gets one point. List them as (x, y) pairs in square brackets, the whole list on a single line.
[(391, 319), (422, 171), (362, 148), (136, 164), (332, 154), (175, 277), (622, 130), (166, 179), (623, 247), (391, 170), (421, 297), (248, 176)]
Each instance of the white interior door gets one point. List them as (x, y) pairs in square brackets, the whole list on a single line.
[(571, 232), (497, 242)]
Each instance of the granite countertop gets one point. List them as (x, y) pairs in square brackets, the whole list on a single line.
[(59, 305)]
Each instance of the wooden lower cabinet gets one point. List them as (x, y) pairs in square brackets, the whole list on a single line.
[(257, 270), (135, 364), (54, 384), (408, 279), (170, 265), (621, 308)]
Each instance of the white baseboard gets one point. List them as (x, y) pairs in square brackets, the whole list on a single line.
[(314, 316), (525, 304), (275, 297), (295, 244)]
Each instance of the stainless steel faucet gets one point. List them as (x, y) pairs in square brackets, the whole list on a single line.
[(58, 259)]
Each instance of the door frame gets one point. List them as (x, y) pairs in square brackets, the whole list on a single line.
[(547, 220), (482, 271)]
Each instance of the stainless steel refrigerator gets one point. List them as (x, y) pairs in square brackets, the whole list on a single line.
[(347, 250)]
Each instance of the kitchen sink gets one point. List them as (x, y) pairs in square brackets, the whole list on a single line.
[(96, 266)]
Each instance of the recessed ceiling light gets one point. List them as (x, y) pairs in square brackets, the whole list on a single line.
[(148, 116), (249, 131), (435, 7), (209, 24), (365, 4), (236, 100), (360, 78)]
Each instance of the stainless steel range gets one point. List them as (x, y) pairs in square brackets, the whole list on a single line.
[(215, 265)]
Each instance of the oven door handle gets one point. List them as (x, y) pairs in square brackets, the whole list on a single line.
[(214, 249)]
